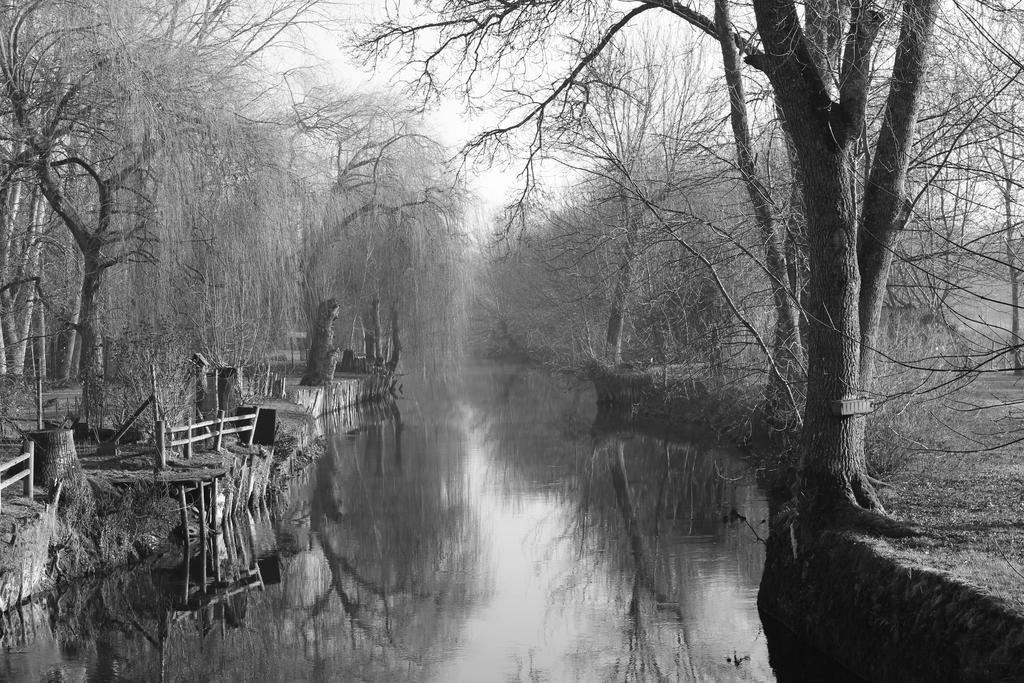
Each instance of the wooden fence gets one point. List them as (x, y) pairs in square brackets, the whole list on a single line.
[(198, 432), (27, 475)]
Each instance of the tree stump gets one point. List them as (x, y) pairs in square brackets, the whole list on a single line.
[(57, 463), (323, 355)]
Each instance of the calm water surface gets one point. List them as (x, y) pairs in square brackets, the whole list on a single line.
[(491, 528)]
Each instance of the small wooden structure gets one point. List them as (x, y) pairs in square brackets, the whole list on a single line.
[(191, 433)]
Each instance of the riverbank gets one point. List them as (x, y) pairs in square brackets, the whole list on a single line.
[(137, 519), (946, 602)]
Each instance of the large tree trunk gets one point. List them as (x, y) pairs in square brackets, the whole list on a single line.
[(842, 312), (323, 355), (90, 363), (834, 467), (68, 359), (833, 470), (57, 464), (65, 360)]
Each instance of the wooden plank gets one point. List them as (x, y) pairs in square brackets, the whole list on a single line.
[(132, 419), (175, 477), (196, 425), (209, 423), (16, 478), (196, 438), (237, 430), (16, 461)]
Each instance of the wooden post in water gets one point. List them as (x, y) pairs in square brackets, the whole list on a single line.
[(187, 550), (215, 523), (202, 531), (213, 505), (184, 513)]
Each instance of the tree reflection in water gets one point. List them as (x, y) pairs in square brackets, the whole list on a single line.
[(488, 529)]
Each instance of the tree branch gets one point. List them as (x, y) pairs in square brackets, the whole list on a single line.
[(855, 76)]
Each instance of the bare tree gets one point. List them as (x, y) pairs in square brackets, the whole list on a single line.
[(820, 76)]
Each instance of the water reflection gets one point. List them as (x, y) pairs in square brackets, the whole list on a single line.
[(487, 529)]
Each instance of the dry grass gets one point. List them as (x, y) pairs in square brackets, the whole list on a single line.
[(970, 505)]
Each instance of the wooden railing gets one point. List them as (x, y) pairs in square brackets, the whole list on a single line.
[(27, 475), (198, 432)]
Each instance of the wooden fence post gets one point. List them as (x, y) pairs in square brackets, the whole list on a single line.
[(30, 480), (220, 429), (252, 432), (186, 450), (161, 449)]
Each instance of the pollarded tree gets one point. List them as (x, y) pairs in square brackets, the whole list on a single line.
[(818, 64)]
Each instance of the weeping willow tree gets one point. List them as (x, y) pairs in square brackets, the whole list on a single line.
[(383, 232), (104, 96)]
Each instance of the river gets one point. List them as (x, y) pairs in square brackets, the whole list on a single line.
[(490, 527)]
